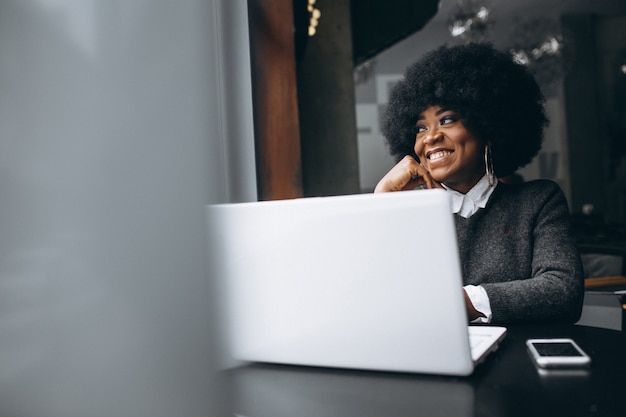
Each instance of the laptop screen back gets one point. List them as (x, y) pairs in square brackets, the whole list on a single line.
[(366, 281)]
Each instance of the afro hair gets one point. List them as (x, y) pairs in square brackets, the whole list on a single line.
[(498, 99)]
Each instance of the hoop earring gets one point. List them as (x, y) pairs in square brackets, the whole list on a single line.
[(489, 166)]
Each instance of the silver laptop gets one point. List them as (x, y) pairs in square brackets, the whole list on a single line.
[(367, 281)]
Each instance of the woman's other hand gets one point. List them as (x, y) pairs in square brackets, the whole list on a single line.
[(406, 175), (472, 313)]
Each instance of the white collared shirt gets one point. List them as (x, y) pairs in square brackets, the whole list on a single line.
[(466, 205), (476, 198)]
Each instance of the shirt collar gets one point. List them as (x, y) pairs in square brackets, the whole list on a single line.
[(467, 204)]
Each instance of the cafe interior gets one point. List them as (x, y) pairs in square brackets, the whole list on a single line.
[(575, 49), (123, 119)]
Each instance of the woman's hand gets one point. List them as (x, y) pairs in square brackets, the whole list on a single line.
[(472, 313), (406, 175)]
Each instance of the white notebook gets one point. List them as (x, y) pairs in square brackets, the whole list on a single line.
[(367, 281)]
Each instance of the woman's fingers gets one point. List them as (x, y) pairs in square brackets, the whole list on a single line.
[(406, 175), (400, 177), (430, 182)]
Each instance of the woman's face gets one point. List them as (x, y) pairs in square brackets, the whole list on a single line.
[(448, 150)]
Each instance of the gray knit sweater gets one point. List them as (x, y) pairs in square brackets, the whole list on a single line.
[(519, 248)]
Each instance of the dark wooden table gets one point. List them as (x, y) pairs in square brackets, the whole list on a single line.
[(506, 384)]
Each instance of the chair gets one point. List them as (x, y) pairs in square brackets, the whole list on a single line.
[(604, 268)]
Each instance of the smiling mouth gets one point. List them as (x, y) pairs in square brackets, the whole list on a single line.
[(436, 155)]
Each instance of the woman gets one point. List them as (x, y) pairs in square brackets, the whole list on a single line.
[(462, 117)]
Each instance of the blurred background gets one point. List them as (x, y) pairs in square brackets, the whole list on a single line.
[(577, 51)]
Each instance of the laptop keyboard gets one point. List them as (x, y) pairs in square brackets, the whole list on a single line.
[(483, 340), (476, 340)]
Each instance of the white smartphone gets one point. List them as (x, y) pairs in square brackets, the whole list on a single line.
[(557, 353)]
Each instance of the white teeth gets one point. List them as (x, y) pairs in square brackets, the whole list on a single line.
[(438, 155)]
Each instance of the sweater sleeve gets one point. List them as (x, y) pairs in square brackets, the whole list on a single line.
[(554, 289)]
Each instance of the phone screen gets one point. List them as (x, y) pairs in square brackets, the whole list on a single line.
[(556, 349)]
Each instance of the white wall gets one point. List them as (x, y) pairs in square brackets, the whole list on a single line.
[(113, 119)]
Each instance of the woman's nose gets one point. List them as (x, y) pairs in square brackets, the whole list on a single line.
[(432, 137), (429, 139)]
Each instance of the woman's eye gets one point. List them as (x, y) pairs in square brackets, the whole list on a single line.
[(419, 129), (447, 119)]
